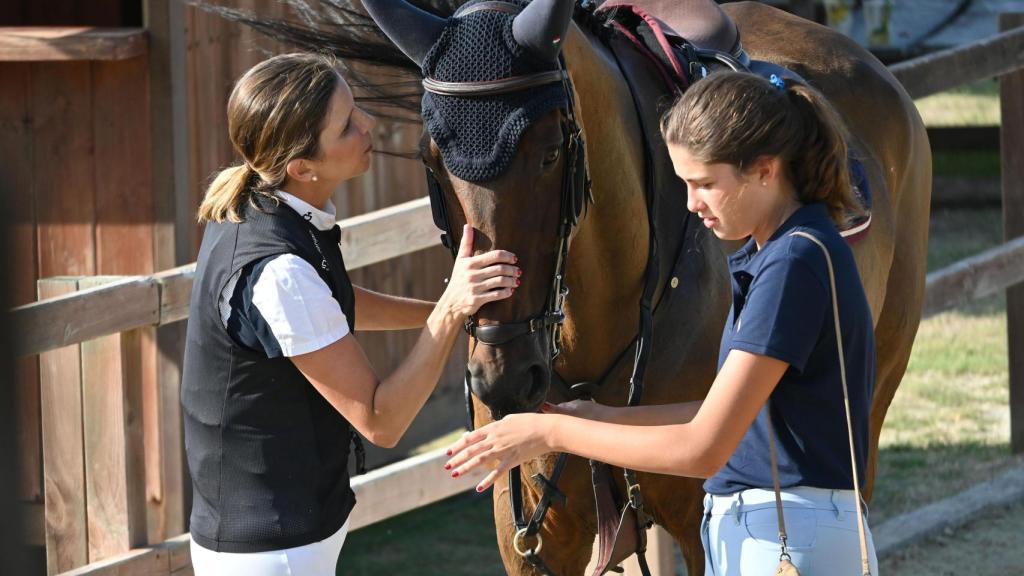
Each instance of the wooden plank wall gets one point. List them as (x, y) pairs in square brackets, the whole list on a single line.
[(218, 53), (82, 189)]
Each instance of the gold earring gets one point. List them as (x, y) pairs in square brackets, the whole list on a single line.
[(762, 183)]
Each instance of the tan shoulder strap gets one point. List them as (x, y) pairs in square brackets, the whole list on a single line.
[(865, 562)]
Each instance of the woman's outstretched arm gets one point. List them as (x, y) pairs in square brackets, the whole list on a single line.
[(697, 448)]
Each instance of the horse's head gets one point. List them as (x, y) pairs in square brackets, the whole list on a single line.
[(497, 148)]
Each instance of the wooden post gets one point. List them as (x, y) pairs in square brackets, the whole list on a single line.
[(172, 234), (1011, 94), (60, 379), (113, 440)]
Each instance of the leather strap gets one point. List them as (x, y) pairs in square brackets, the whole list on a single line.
[(865, 562), (492, 87)]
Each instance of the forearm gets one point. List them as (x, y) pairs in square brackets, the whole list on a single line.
[(675, 449), (658, 415), (400, 396), (376, 311)]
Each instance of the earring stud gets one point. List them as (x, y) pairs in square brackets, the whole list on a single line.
[(313, 178)]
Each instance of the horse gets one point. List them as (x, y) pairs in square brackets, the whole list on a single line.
[(603, 259)]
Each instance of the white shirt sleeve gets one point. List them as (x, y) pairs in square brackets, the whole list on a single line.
[(298, 306)]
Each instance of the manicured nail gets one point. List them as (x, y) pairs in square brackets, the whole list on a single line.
[(447, 466), (518, 281), (455, 474), (449, 453), (479, 488), (545, 407), (519, 272)]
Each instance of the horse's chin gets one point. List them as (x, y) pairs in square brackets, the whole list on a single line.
[(499, 413)]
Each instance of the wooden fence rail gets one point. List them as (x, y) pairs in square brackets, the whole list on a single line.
[(137, 301), (70, 328)]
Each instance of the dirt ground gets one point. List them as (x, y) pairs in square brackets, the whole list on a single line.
[(991, 545)]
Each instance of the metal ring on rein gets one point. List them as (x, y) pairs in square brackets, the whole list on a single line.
[(520, 535)]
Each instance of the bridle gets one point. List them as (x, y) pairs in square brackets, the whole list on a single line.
[(575, 195)]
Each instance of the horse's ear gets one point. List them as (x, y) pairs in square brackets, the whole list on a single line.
[(413, 30), (541, 27)]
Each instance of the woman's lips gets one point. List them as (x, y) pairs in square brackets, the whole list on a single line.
[(710, 222)]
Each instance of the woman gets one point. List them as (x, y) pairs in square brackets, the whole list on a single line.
[(761, 160), (274, 381)]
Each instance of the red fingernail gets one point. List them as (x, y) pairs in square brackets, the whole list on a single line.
[(518, 281), (455, 474), (449, 453), (447, 466), (545, 408), (519, 272), (479, 488)]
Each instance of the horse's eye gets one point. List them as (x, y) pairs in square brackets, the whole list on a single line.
[(552, 156)]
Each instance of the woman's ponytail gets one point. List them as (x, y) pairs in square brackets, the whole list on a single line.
[(224, 197), (820, 163)]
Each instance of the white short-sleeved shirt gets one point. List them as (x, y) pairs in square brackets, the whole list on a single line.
[(280, 304)]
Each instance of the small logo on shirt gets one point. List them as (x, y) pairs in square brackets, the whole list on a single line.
[(308, 216)]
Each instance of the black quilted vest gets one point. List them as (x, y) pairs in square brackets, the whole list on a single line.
[(267, 454)]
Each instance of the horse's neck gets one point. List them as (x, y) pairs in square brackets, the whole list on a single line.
[(609, 251)]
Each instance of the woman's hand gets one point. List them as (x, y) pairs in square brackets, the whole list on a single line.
[(477, 280), (587, 409), (500, 446)]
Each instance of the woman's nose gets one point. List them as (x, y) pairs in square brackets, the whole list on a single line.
[(368, 121), (692, 203)]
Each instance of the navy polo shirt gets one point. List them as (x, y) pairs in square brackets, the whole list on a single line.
[(782, 308)]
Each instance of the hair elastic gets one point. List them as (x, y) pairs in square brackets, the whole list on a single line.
[(777, 81)]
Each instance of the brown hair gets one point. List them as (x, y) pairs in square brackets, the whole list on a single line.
[(737, 117), (275, 114)]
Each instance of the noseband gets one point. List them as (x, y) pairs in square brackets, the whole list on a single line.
[(575, 194)]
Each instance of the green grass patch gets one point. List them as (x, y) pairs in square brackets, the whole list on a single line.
[(966, 163), (972, 105), (454, 537)]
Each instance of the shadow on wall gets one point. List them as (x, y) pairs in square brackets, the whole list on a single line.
[(11, 548)]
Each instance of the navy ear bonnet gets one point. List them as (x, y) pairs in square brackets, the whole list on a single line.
[(478, 136)]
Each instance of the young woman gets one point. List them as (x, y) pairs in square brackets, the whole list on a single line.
[(760, 160), (274, 381)]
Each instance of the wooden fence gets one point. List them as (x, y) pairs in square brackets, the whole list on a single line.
[(86, 331)]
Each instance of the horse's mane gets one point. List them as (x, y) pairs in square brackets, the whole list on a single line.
[(383, 79)]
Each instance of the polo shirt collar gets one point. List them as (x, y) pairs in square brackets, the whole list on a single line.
[(814, 213), (323, 220)]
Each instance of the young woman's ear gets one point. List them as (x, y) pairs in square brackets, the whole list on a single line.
[(301, 170), (765, 169)]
